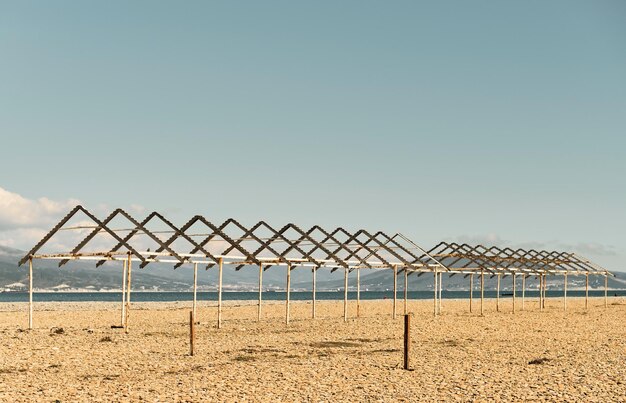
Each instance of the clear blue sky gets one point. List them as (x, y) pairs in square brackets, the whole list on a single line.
[(503, 120)]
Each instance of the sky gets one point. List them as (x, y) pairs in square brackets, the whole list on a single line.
[(489, 121)]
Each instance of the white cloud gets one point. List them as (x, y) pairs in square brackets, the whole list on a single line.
[(137, 208), (584, 248), (18, 212), (23, 222)]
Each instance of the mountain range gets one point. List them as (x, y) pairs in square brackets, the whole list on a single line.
[(83, 275)]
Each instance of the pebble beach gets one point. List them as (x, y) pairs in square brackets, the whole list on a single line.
[(74, 354)]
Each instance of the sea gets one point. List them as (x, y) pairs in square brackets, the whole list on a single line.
[(158, 296)]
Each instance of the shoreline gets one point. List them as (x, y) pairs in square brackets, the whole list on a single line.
[(107, 306)]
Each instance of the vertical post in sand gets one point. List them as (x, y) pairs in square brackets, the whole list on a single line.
[(586, 291), (30, 293), (435, 289), (406, 288), (358, 292), (128, 289), (471, 290), (288, 290), (395, 289), (219, 293), (541, 292), (545, 289), (498, 294), (440, 289), (192, 332), (314, 270), (514, 292), (407, 341), (345, 295), (123, 294), (523, 290), (482, 292), (606, 290), (195, 288), (565, 292), (258, 317)]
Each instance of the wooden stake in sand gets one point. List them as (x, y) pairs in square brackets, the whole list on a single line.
[(514, 293), (435, 291), (345, 295), (565, 292), (122, 319), (314, 270), (407, 341), (523, 290), (195, 287), (471, 290), (358, 292), (406, 289), (30, 293), (128, 290), (258, 318), (192, 332), (498, 294), (395, 290), (586, 291), (482, 292), (219, 293), (288, 290)]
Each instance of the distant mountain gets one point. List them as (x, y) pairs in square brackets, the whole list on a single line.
[(82, 274), (378, 280)]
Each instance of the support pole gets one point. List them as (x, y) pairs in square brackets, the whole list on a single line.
[(545, 289), (358, 292), (395, 290), (606, 291), (345, 295), (565, 292), (314, 270), (195, 288), (440, 289), (586, 291), (471, 290), (482, 292), (122, 319), (435, 293), (406, 289), (128, 290), (541, 292), (219, 293), (288, 291), (407, 341), (258, 318), (523, 290), (30, 293), (498, 294), (514, 293)]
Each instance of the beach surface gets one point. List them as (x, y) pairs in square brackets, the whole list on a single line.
[(73, 354)]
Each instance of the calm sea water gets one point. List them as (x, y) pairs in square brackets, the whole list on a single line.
[(270, 295)]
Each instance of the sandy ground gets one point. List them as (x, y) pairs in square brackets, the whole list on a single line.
[(457, 356)]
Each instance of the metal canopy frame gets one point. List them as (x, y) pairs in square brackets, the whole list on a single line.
[(289, 245), (469, 259), (232, 243)]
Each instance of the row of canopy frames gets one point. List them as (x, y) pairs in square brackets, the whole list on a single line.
[(80, 235)]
